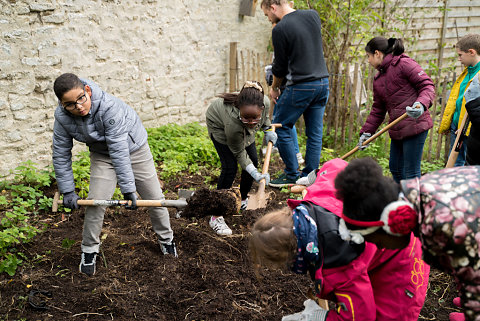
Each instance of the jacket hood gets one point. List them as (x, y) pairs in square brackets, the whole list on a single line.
[(97, 94)]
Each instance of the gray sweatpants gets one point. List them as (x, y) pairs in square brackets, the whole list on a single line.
[(103, 180)]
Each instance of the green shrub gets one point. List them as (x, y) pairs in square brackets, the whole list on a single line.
[(182, 148)]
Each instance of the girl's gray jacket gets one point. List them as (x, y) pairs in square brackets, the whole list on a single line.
[(111, 128)]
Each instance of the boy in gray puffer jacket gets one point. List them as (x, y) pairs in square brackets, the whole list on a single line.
[(119, 152)]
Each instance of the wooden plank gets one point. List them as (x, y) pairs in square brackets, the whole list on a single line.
[(243, 67), (344, 109), (354, 106), (441, 43), (233, 66), (247, 8), (337, 105), (442, 110)]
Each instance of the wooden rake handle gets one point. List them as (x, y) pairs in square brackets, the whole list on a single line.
[(393, 123)]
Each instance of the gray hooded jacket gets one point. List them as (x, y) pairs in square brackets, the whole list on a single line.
[(111, 128)]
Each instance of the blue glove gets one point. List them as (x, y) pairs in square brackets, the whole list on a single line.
[(362, 139), (473, 91), (257, 176), (416, 110), (70, 200), (131, 197), (271, 136)]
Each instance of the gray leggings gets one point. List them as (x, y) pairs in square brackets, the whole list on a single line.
[(103, 180)]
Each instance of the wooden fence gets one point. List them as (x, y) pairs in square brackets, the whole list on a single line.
[(350, 100)]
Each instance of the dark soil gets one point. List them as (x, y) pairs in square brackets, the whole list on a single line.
[(212, 279)]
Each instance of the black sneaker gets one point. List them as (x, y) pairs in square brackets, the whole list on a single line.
[(168, 248), (87, 264), (283, 180)]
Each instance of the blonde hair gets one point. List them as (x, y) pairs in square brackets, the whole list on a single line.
[(273, 243)]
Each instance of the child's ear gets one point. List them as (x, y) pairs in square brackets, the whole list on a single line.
[(88, 90), (473, 52)]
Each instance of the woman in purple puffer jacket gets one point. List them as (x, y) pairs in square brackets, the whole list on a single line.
[(400, 86)]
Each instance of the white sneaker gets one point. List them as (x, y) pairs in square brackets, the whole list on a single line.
[(300, 158), (244, 204), (219, 226)]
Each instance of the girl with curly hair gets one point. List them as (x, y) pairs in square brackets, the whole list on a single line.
[(442, 208)]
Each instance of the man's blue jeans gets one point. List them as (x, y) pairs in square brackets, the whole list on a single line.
[(462, 154), (406, 156), (308, 99)]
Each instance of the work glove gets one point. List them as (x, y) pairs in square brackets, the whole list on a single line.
[(416, 110), (257, 176), (131, 197), (362, 139), (270, 136), (309, 179), (312, 312), (268, 75), (70, 200)]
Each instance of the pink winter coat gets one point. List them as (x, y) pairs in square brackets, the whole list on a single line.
[(379, 284), (399, 83)]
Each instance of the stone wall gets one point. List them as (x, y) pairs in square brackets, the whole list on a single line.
[(167, 59)]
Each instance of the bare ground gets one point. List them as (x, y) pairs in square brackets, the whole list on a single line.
[(212, 279)]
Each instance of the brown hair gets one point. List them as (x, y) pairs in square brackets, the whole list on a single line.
[(273, 243), (249, 95), (470, 41), (268, 3)]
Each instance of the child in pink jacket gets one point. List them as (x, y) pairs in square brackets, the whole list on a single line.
[(366, 283), (442, 208)]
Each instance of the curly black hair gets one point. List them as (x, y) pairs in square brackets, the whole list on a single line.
[(364, 190)]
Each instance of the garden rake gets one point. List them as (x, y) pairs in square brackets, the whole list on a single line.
[(299, 188)]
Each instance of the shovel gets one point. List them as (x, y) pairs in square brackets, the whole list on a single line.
[(299, 188), (459, 140), (179, 204), (259, 199)]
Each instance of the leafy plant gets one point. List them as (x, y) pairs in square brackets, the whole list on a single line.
[(19, 205), (67, 243), (182, 148)]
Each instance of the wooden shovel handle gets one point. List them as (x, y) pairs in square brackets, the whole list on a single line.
[(393, 123), (266, 161), (146, 203), (452, 158)]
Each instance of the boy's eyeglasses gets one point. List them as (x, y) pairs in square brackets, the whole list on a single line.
[(80, 101)]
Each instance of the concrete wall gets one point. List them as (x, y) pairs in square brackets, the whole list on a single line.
[(167, 59)]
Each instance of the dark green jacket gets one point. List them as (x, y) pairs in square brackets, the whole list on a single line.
[(223, 123)]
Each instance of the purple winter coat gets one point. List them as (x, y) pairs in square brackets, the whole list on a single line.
[(399, 83)]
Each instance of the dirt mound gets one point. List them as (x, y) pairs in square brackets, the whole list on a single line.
[(206, 202)]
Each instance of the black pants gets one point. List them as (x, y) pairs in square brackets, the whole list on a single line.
[(230, 165)]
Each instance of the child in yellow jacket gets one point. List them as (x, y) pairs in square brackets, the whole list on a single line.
[(468, 49)]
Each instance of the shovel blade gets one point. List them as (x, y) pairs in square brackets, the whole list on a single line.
[(185, 194), (258, 200)]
